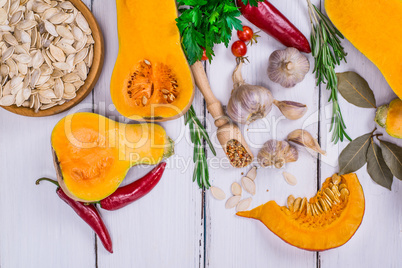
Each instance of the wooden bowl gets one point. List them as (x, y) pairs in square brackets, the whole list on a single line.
[(93, 75)]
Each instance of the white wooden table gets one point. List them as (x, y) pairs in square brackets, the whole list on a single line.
[(177, 224)]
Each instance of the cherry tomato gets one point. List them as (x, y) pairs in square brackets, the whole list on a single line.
[(204, 55), (239, 48), (245, 35)]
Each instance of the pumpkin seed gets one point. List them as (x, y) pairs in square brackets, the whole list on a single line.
[(252, 173), (217, 193), (236, 188), (341, 186), (248, 185), (289, 178), (244, 204), (314, 210), (296, 204), (335, 190), (232, 201), (308, 209), (324, 206), (303, 204), (344, 191), (331, 195), (291, 200)]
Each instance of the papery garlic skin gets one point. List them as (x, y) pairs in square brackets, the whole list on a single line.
[(248, 103), (287, 67), (277, 153)]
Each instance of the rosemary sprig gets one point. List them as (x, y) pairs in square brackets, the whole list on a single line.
[(198, 135), (328, 52)]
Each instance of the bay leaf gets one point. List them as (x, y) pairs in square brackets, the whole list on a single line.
[(355, 90), (393, 157), (377, 168), (353, 157)]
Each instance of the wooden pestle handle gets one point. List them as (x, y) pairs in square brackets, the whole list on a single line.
[(213, 104)]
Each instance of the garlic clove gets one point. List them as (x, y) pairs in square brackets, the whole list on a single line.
[(287, 67), (277, 153), (304, 138), (290, 109)]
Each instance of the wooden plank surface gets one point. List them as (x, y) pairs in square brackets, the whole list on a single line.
[(168, 227)]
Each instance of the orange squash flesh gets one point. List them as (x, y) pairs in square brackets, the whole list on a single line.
[(151, 79), (374, 28), (95, 153), (328, 230)]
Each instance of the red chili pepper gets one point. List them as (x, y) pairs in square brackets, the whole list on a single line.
[(127, 194), (269, 19), (88, 213)]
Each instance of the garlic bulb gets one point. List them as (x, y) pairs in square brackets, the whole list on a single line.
[(287, 67), (304, 138), (290, 109), (248, 102), (277, 153)]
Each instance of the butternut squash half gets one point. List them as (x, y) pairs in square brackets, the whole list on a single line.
[(328, 220), (151, 79), (374, 28), (93, 153)]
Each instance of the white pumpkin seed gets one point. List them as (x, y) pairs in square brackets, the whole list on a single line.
[(69, 88), (48, 106), (59, 18), (7, 53), (10, 39), (232, 201), (289, 178), (7, 100), (217, 193), (50, 28), (23, 58), (248, 185), (3, 16), (57, 53), (244, 204), (252, 173), (64, 32), (236, 188), (15, 18), (82, 23)]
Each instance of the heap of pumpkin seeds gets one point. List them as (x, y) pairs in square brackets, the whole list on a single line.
[(46, 51)]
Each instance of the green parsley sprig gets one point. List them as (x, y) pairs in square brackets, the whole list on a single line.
[(205, 23), (328, 52)]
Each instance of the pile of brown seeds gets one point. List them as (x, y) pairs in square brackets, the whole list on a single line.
[(46, 52), (237, 154)]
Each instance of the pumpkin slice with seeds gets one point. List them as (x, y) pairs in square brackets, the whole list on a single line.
[(328, 220)]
